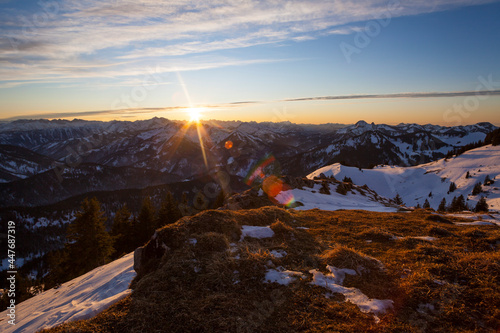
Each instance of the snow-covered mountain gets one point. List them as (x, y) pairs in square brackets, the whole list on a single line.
[(430, 181), (80, 298), (366, 145), (170, 150), (19, 163)]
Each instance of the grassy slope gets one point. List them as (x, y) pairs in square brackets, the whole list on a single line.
[(448, 285)]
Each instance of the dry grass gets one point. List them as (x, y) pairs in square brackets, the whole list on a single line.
[(447, 285)]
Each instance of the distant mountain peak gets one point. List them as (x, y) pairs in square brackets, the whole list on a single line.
[(361, 123)]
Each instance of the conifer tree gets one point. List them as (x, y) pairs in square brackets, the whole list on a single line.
[(477, 189), (122, 231), (146, 221), (453, 205), (426, 204), (488, 181), (89, 245), (219, 200), (397, 199), (442, 205), (169, 211), (184, 206), (347, 180), (452, 188), (482, 205), (458, 204), (461, 205)]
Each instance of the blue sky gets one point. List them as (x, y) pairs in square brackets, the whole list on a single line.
[(138, 59)]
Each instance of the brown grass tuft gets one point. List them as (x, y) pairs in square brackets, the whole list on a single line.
[(211, 242), (440, 232), (345, 257), (376, 235), (282, 230)]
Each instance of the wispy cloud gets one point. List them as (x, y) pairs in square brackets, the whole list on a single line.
[(400, 95), (109, 38), (133, 112), (126, 113)]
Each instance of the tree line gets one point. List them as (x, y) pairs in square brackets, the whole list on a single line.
[(89, 245)]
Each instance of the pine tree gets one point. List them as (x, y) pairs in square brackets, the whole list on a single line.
[(418, 206), (89, 245), (426, 204), (488, 181), (442, 205), (123, 231), (477, 189), (452, 188), (169, 211), (347, 179), (397, 199), (325, 189), (184, 207), (461, 203), (482, 205), (453, 205), (219, 201), (467, 175), (430, 194), (146, 221)]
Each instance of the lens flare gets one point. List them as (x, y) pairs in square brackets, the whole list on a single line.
[(228, 144), (258, 169), (287, 199), (272, 186)]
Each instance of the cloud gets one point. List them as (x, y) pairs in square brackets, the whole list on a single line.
[(78, 38), (76, 114), (400, 95), (120, 73), (131, 112)]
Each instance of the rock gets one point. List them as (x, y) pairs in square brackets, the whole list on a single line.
[(138, 258)]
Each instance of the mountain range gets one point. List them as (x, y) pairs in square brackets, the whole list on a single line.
[(45, 161)]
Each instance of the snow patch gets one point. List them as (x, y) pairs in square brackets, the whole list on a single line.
[(282, 276), (256, 232), (279, 253), (80, 298), (334, 281)]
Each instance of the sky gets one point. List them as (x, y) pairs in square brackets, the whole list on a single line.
[(304, 61)]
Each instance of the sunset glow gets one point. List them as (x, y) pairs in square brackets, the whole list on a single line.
[(195, 114), (311, 61)]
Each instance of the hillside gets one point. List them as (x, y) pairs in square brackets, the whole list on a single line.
[(276, 270), (414, 184), (79, 298), (330, 194)]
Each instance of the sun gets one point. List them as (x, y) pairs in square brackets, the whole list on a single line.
[(195, 114)]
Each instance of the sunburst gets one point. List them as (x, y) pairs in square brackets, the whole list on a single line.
[(195, 114)]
